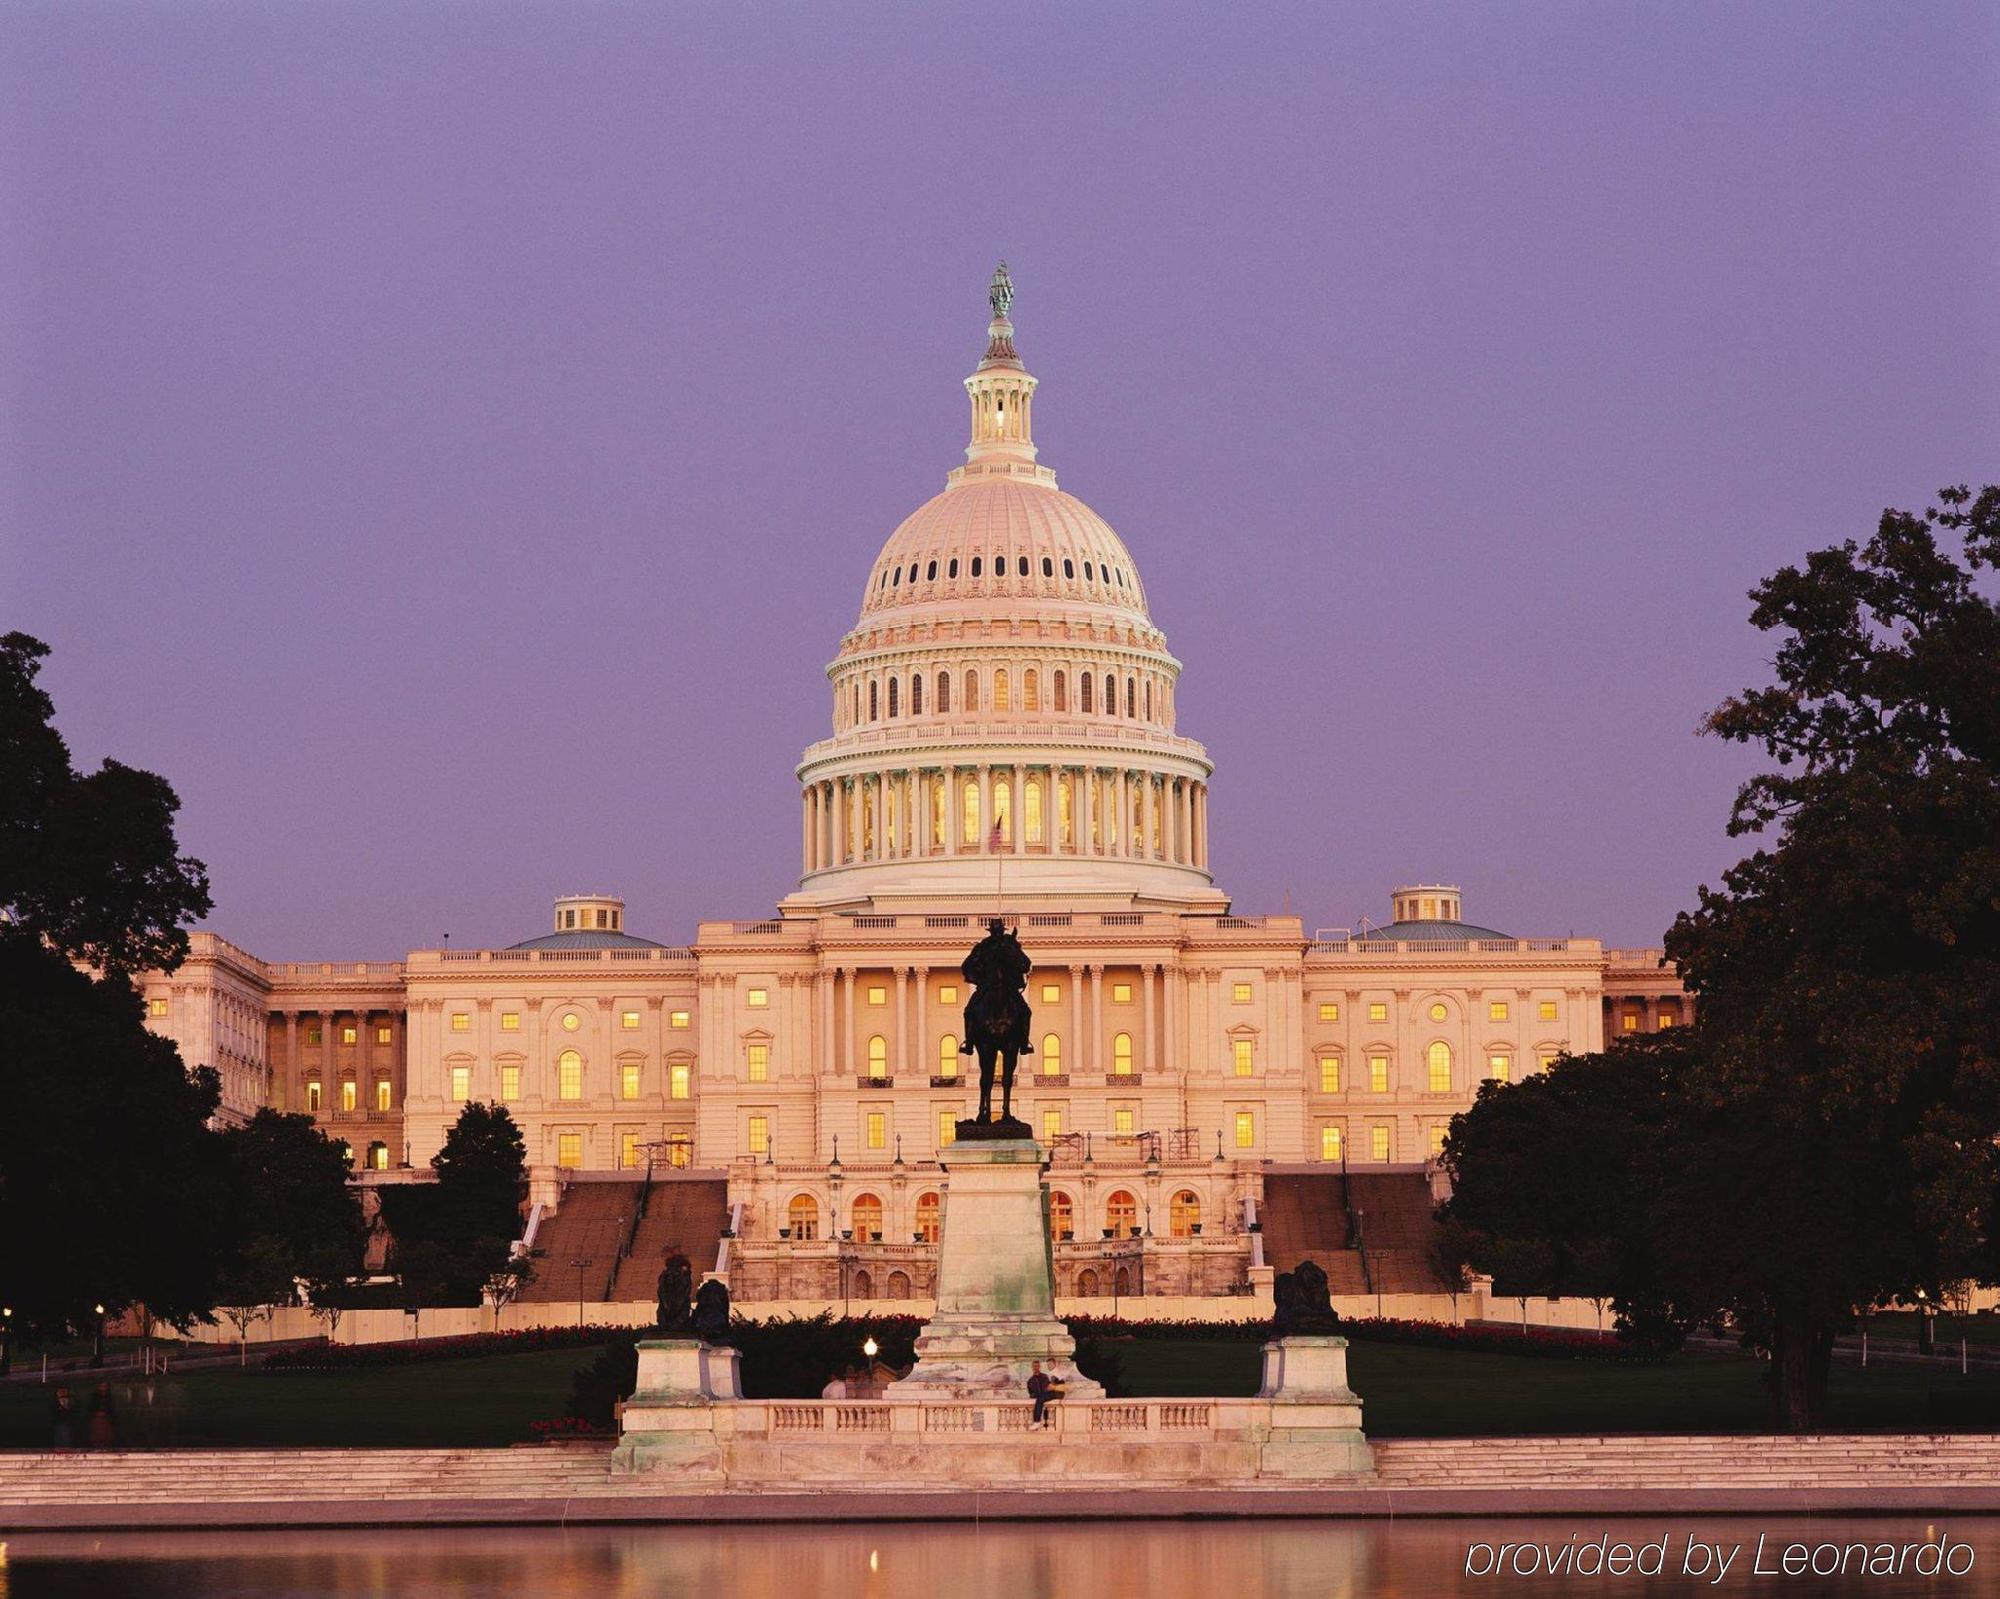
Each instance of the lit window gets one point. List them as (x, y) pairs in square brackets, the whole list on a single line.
[(510, 1084), (382, 1093), (461, 1021), (1121, 1055), (1378, 1142), (1496, 1011), (629, 1020), (1329, 1011), (571, 1021), (1121, 1119), (349, 1035), (1329, 1074), (1378, 1074), (312, 1035), (1631, 1021), (948, 994), (968, 834), (1052, 1122), (1438, 1012), (461, 1084), (569, 1075), (1438, 1057), (878, 1130), (1378, 1011), (760, 1135), (1062, 1216), (759, 1061), (680, 1150), (628, 1079), (569, 1150), (1121, 993), (349, 1093), (1240, 993), (1244, 1056), (1546, 1010), (156, 1007), (510, 1021), (1547, 1057), (383, 1035), (1051, 994), (803, 1214), (867, 1217), (758, 998), (378, 1157), (930, 1210), (947, 1056), (876, 995), (1500, 1068), (947, 1127), (628, 1149), (1329, 1142), (1438, 1131), (1246, 1130), (677, 1081), (312, 1095), (1666, 1020), (677, 1020), (1184, 1214), (1051, 1055), (878, 1057)]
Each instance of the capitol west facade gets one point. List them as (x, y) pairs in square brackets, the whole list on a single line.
[(1004, 732)]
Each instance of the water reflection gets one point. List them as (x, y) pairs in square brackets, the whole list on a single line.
[(997, 1560)]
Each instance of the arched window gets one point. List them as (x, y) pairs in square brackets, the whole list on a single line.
[(940, 821), (951, 570), (1131, 700), (930, 573), (1121, 1055), (1003, 809), (1439, 1057), (899, 1285), (1086, 1284), (1052, 1055), (892, 696), (378, 1157), (917, 695), (1021, 566), (1062, 1215), (862, 1286), (944, 693), (878, 1057), (1031, 691), (948, 1055), (1122, 1282), (569, 1075), (1069, 567), (1031, 810), (1062, 692), (1186, 1214), (975, 566), (867, 1219), (1002, 700), (1149, 699), (1083, 685), (874, 700), (1110, 695), (1087, 575), (968, 837), (1121, 1214), (896, 578), (1048, 567), (803, 1216), (930, 1219), (972, 691)]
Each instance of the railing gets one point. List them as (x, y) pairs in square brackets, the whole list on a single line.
[(665, 954), (768, 925), (1080, 1419), (1449, 946), (879, 922)]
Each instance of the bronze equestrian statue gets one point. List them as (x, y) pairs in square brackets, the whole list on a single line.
[(996, 1024)]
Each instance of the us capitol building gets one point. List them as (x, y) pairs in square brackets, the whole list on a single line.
[(1004, 732)]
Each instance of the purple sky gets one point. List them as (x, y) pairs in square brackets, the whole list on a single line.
[(448, 441)]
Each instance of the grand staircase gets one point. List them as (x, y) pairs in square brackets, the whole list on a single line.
[(623, 1229)]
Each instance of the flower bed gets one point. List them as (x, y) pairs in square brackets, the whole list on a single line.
[(1547, 1343), (350, 1357)]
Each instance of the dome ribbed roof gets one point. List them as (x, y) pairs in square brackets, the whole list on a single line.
[(585, 938), (1427, 932), (1026, 538)]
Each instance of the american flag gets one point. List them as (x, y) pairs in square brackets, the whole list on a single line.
[(993, 840)]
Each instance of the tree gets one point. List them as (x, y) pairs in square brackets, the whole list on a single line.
[(454, 1238), (1848, 971), (254, 1281), (288, 1184)]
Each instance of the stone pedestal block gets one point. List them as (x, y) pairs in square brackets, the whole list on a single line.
[(1315, 1416), (995, 1285), (669, 1422)]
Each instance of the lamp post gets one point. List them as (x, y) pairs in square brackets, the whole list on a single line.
[(582, 1264), (6, 1340), (97, 1339)]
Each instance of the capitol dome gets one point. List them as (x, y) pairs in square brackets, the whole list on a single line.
[(1003, 708)]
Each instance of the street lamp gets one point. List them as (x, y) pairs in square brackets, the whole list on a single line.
[(6, 1340), (582, 1264), (871, 1349), (97, 1342)]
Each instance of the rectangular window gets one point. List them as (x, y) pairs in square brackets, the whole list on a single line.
[(1546, 1010), (312, 1035), (1329, 1142), (1438, 1130), (382, 1093), (878, 995), (760, 1135), (760, 1062), (1052, 1122), (461, 1084), (569, 1076), (348, 1035), (1631, 1021), (1051, 994), (878, 1130), (1666, 1020), (1440, 1069), (1378, 1142), (461, 1021), (677, 1080), (1121, 1119), (628, 1079), (1500, 1068), (349, 1093), (1329, 1074), (510, 1084), (1378, 1074), (1244, 1055), (1547, 1057), (947, 1127), (1240, 993), (510, 1021), (758, 998), (680, 1150), (1496, 1010), (1329, 1011), (383, 1035), (156, 1007), (1378, 1011), (569, 1150), (678, 1020), (629, 1020), (312, 1097), (628, 1149), (1121, 993), (1246, 1130), (948, 994)]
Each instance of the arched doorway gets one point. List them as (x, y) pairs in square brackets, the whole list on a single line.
[(899, 1285), (802, 1216), (1086, 1284), (1121, 1214), (930, 1224), (1062, 1216), (1122, 1284), (862, 1286), (1185, 1217), (867, 1219)]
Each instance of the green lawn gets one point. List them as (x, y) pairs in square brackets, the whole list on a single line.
[(1902, 1325), (1408, 1392)]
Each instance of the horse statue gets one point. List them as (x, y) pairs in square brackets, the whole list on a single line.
[(996, 1021)]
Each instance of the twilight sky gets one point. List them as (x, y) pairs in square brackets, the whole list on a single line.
[(448, 440)]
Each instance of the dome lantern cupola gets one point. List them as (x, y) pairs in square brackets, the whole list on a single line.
[(1001, 390)]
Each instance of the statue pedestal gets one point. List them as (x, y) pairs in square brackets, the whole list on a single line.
[(669, 1422), (1315, 1416), (995, 1284)]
